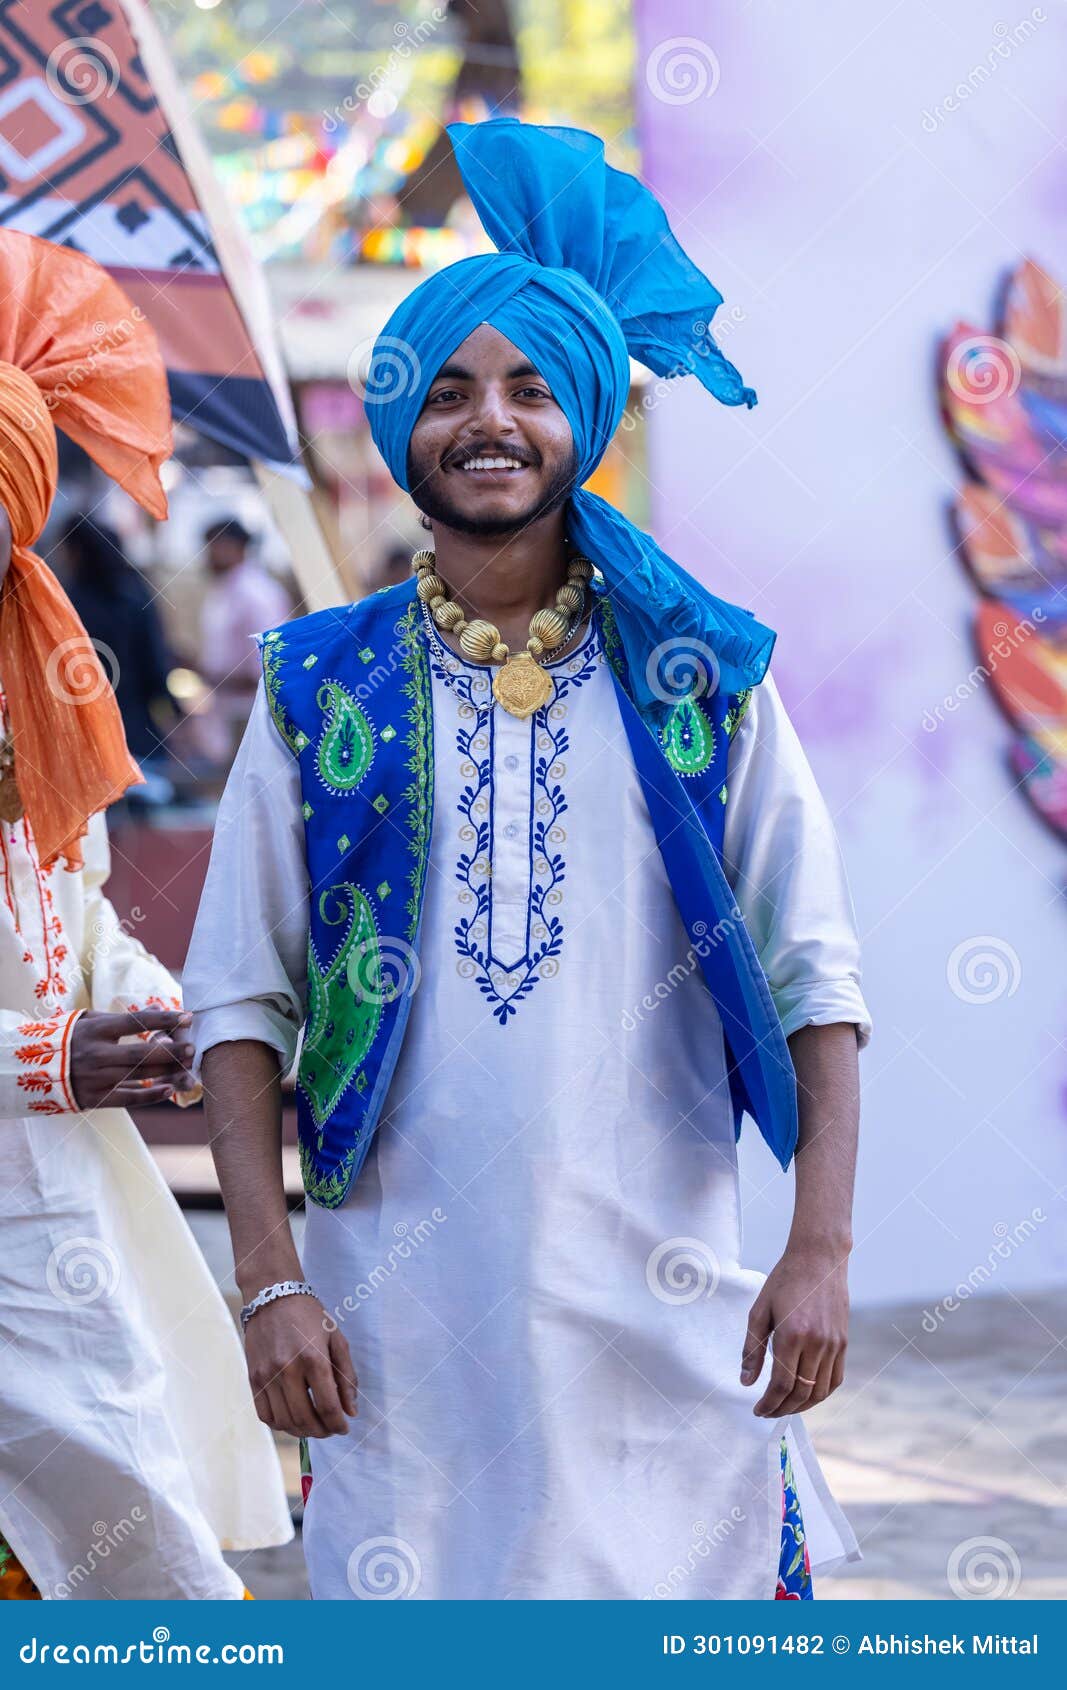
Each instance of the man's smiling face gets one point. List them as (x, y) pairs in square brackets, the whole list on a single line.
[(492, 450)]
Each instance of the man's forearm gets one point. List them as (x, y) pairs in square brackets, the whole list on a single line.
[(300, 1369), (243, 1103), (828, 1102)]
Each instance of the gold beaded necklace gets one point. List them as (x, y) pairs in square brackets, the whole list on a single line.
[(521, 685)]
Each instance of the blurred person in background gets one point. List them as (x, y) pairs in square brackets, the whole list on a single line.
[(241, 598), (122, 1392), (121, 616), (392, 566)]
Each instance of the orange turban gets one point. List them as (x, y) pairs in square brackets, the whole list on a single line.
[(74, 352)]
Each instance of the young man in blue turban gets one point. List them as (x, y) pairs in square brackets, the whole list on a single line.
[(529, 851)]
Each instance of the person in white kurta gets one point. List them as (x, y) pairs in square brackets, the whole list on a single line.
[(130, 1451), (538, 1267)]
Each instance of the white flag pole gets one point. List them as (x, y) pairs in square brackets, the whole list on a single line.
[(288, 498)]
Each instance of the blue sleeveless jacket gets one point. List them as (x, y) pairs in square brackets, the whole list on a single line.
[(349, 691)]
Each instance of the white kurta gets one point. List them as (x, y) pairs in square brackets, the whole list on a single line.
[(538, 1266), (129, 1444)]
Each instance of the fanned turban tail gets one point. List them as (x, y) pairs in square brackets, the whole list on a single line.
[(587, 273), (74, 352)]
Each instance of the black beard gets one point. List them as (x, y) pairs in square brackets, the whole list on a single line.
[(440, 510)]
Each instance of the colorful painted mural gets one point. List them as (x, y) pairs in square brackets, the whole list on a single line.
[(1005, 403)]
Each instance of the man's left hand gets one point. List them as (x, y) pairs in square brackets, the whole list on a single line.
[(804, 1306)]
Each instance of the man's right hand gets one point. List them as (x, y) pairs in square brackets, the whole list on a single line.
[(108, 1074), (301, 1373)]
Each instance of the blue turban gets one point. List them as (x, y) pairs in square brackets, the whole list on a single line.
[(587, 273)]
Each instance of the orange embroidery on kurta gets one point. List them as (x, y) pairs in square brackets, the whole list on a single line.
[(65, 1076), (47, 1043), (53, 984), (153, 1002), (35, 1053), (34, 1082)]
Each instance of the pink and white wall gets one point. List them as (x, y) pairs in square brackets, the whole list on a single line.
[(855, 179)]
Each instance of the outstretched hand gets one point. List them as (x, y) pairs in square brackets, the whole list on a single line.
[(107, 1074)]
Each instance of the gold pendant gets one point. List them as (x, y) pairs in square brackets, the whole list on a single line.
[(521, 686)]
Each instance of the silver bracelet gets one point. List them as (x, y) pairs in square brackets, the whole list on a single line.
[(271, 1293)]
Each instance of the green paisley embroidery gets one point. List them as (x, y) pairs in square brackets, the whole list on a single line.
[(609, 634), (272, 662), (327, 1190), (688, 738), (346, 748), (344, 1002), (418, 795), (736, 713)]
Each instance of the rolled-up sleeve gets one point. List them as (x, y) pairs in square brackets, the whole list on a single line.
[(246, 973), (782, 858)]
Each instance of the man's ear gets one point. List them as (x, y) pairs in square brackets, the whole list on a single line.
[(5, 545)]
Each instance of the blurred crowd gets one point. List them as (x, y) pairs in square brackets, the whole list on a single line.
[(184, 682), (184, 692)]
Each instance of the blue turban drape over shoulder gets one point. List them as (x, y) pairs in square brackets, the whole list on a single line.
[(587, 274)]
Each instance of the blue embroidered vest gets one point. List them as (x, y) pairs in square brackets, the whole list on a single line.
[(349, 691)]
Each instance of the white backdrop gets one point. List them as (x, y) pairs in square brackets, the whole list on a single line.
[(815, 167)]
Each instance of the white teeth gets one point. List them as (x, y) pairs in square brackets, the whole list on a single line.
[(492, 463)]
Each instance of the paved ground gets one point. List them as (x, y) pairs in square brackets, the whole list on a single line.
[(948, 1450)]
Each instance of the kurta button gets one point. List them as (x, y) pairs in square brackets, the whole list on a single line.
[(512, 829), (511, 761)]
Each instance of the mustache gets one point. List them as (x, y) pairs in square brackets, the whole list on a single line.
[(481, 449)]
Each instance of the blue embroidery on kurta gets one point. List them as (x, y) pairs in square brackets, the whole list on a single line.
[(548, 802)]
